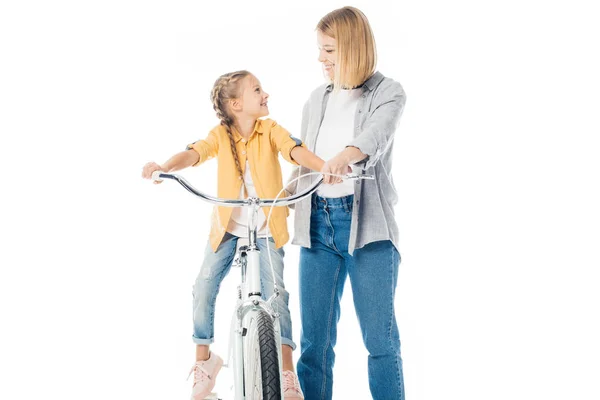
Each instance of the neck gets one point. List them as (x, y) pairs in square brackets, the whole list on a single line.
[(245, 126)]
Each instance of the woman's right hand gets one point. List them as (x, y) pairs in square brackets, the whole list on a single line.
[(338, 165), (149, 168)]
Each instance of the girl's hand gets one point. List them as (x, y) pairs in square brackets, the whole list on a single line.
[(149, 169), (338, 165)]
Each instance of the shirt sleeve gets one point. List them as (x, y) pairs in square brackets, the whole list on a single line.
[(292, 187), (206, 148), (284, 142), (379, 128)]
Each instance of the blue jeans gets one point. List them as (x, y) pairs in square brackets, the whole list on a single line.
[(373, 272), (215, 267)]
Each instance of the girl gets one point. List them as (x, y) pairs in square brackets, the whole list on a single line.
[(246, 149), (349, 229)]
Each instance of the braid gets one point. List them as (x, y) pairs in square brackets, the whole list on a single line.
[(234, 151), (226, 88)]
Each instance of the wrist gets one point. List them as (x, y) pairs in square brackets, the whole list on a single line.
[(319, 165), (354, 154), (345, 156)]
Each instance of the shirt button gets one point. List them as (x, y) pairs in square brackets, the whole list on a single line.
[(240, 178), (243, 140), (243, 151), (359, 111)]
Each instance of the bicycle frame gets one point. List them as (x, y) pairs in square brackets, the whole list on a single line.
[(250, 301)]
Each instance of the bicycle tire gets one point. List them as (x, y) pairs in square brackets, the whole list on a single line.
[(261, 360)]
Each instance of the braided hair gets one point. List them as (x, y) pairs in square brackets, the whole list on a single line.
[(224, 89)]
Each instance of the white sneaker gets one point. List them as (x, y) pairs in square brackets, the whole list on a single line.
[(205, 376), (291, 386)]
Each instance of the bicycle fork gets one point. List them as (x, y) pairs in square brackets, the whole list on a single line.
[(249, 300)]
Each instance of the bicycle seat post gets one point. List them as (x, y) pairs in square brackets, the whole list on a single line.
[(253, 210), (253, 264)]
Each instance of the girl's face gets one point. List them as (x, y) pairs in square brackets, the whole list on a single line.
[(253, 100), (327, 53)]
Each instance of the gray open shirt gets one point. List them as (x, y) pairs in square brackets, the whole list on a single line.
[(375, 122)]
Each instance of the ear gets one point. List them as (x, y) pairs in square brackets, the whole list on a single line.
[(235, 104)]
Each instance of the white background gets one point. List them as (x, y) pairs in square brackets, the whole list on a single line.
[(496, 162)]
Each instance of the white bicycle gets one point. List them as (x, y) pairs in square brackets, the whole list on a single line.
[(255, 332)]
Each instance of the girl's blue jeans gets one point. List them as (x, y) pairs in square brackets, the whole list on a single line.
[(215, 267)]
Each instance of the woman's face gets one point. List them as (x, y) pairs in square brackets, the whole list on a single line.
[(327, 53)]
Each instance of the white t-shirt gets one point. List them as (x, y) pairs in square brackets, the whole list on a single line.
[(337, 130), (238, 225)]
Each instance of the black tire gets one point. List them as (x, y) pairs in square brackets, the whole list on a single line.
[(261, 360)]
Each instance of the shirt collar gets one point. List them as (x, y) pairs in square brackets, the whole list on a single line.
[(369, 84), (258, 128)]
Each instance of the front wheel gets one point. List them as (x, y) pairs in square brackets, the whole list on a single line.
[(261, 360)]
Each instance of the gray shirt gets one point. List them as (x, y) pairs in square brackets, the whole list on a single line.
[(376, 119)]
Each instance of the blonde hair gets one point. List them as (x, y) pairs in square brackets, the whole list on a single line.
[(226, 88), (356, 55)]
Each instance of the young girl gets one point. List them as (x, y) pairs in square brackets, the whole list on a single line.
[(247, 150)]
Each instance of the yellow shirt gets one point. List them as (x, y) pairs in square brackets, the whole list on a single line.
[(261, 151)]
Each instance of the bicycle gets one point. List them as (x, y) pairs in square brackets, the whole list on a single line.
[(255, 333)]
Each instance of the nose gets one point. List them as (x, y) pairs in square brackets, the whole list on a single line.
[(321, 57), (266, 95)]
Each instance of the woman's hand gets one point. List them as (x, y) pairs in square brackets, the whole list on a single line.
[(338, 165), (149, 168)]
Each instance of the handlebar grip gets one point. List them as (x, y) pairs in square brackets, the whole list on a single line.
[(156, 176), (360, 176)]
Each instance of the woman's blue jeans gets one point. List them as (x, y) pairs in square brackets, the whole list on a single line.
[(373, 272)]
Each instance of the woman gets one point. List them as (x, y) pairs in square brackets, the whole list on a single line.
[(348, 228)]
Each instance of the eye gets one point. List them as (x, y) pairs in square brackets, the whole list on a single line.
[(329, 51), (257, 90)]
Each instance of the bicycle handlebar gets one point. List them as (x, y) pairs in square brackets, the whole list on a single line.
[(159, 176)]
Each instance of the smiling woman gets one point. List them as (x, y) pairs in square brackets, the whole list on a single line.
[(348, 59), (349, 230)]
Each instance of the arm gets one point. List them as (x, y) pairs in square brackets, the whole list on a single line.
[(375, 138), (293, 149), (340, 164), (292, 187), (179, 161), (195, 154), (378, 131), (307, 158), (352, 155)]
